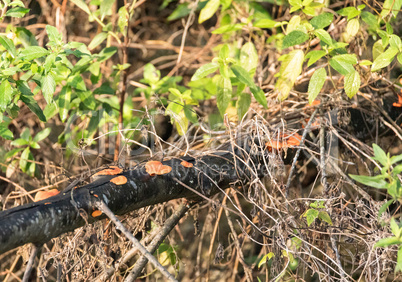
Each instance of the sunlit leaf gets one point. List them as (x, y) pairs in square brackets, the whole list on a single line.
[(6, 92), (42, 134), (321, 21), (316, 83), (249, 57), (352, 83), (97, 40), (33, 52), (209, 10), (384, 59), (296, 37), (224, 94), (48, 87), (291, 68), (205, 70), (9, 45), (353, 27), (372, 181)]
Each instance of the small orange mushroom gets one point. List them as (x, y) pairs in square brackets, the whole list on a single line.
[(96, 213), (157, 168), (399, 103), (288, 141), (41, 195), (112, 170), (315, 103), (119, 180), (186, 164)]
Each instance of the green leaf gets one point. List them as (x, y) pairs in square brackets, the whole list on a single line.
[(296, 37), (265, 23), (12, 153), (15, 3), (353, 27), (151, 74), (365, 63), (398, 266), (249, 57), (105, 7), (34, 145), (384, 59), (64, 102), (33, 52), (77, 82), (224, 94), (33, 106), (242, 75), (9, 45), (294, 24), (322, 20), (352, 83), (48, 87), (27, 98), (243, 104), (291, 68), (209, 10), (380, 155), (82, 5), (20, 142), (181, 11), (385, 242), (343, 63), (50, 110), (384, 207), (324, 216), (23, 159), (384, 36), (296, 5), (395, 159), (378, 49), (224, 52), (323, 36), (310, 215), (42, 135), (369, 19), (265, 258), (190, 114), (350, 12), (205, 70), (53, 34), (175, 92), (372, 181), (395, 228), (17, 12), (123, 18), (87, 98), (228, 28), (314, 56), (397, 169), (395, 41), (391, 5), (97, 40), (259, 96), (106, 53), (316, 83), (5, 132), (6, 92)]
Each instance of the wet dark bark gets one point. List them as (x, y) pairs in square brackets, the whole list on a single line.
[(41, 221)]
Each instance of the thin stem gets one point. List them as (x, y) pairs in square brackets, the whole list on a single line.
[(105, 209)]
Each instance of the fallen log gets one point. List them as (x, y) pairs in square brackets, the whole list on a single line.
[(123, 191)]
